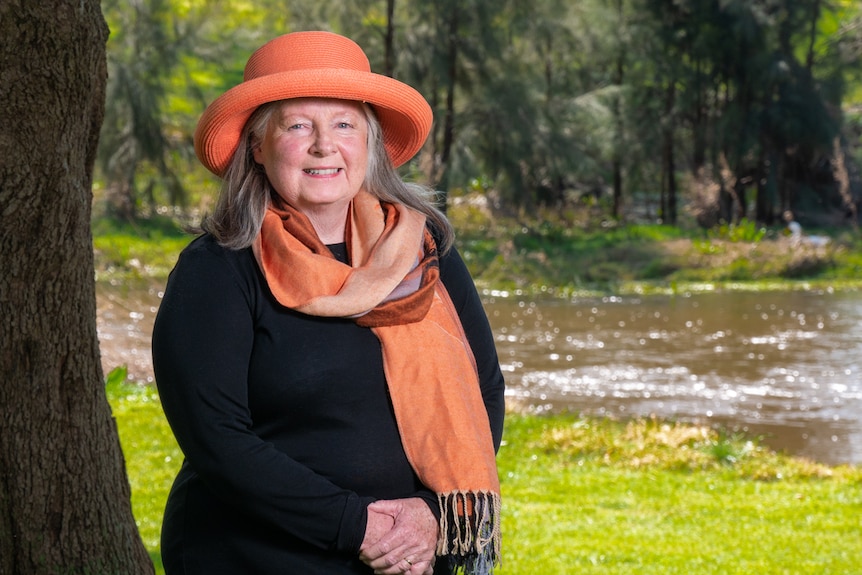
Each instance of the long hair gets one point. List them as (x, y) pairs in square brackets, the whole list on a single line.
[(246, 191)]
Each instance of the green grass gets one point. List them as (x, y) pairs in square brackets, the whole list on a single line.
[(605, 497), (152, 455), (597, 496), (134, 250), (564, 254)]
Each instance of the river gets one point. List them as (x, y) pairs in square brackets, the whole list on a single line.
[(784, 366)]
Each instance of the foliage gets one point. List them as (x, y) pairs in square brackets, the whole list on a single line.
[(547, 102), (656, 444), (604, 497), (744, 231), (167, 59), (554, 252), (134, 140)]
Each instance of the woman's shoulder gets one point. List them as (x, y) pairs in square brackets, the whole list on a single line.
[(206, 246), (204, 253)]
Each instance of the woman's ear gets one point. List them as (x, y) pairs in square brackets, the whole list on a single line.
[(257, 154)]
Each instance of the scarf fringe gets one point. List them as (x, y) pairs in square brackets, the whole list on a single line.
[(470, 531)]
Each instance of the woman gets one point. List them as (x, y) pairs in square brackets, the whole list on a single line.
[(321, 353)]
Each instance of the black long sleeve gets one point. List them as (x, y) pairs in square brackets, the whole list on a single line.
[(203, 342), (284, 420)]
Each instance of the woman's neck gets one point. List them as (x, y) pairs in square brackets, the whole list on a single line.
[(330, 227)]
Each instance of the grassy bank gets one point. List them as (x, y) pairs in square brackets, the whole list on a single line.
[(144, 249), (598, 496), (567, 252), (560, 253)]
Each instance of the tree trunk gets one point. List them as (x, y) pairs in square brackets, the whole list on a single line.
[(616, 163), (812, 37), (669, 212), (449, 119), (763, 203), (699, 126), (389, 40), (64, 494), (741, 201)]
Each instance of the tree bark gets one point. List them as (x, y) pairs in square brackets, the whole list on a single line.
[(669, 211), (763, 203), (449, 119), (64, 495), (389, 40), (812, 36), (616, 163)]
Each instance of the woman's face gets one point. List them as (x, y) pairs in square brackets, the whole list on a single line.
[(315, 153)]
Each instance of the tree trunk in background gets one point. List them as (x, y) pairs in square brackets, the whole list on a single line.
[(699, 127), (669, 211), (389, 40), (64, 494), (763, 202), (449, 119), (617, 164), (812, 35)]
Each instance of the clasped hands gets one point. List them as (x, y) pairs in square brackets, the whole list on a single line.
[(400, 537)]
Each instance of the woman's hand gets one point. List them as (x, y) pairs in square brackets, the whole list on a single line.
[(408, 546), (379, 524)]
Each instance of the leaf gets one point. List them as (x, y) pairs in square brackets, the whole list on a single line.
[(117, 376)]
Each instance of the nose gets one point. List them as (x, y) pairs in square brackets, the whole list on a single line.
[(323, 144)]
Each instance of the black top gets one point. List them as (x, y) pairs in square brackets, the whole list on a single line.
[(284, 420)]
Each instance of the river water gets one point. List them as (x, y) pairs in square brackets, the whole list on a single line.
[(784, 366)]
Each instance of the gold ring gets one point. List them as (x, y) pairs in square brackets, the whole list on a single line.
[(409, 562)]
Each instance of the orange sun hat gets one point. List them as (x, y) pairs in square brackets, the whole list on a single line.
[(312, 65)]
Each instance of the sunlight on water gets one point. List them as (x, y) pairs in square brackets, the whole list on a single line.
[(782, 365), (125, 325)]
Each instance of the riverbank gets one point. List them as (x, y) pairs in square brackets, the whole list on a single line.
[(600, 496), (563, 253), (558, 253)]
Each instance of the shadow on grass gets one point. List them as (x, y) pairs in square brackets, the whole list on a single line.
[(156, 558)]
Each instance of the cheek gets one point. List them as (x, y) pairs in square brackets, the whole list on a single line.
[(359, 157), (281, 161)]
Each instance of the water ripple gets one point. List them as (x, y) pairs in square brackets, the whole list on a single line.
[(785, 365)]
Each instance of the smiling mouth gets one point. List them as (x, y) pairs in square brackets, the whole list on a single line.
[(326, 172)]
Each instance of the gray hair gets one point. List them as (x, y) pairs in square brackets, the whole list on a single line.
[(246, 191)]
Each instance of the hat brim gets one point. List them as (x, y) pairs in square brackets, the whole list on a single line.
[(404, 115)]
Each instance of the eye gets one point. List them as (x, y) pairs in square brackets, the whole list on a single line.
[(344, 125)]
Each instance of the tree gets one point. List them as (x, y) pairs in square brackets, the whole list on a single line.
[(619, 74), (611, 104), (145, 51), (755, 89), (64, 494)]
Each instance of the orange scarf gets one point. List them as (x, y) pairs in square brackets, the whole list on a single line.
[(392, 287)]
